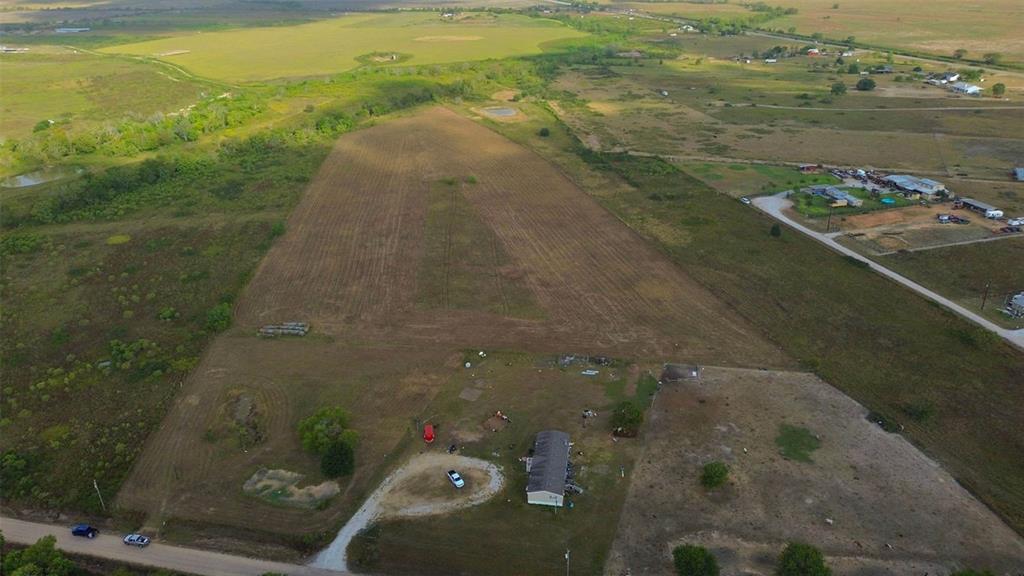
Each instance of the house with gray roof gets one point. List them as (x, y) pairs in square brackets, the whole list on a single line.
[(548, 469), (926, 187)]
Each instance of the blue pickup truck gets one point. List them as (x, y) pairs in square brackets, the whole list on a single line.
[(84, 530)]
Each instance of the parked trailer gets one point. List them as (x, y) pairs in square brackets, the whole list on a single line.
[(285, 329)]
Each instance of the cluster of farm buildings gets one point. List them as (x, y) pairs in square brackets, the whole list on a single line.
[(908, 186)]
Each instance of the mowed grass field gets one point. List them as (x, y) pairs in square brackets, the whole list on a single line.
[(962, 273), (57, 83), (336, 45)]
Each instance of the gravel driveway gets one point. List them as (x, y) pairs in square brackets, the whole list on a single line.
[(377, 505)]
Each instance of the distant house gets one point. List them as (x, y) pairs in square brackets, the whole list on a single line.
[(548, 469), (926, 187), (630, 54), (813, 52), (838, 197), (1018, 174), (770, 60), (884, 69), (846, 53), (950, 77), (965, 88), (810, 168), (71, 30)]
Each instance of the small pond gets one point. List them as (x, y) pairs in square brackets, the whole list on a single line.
[(39, 177), (502, 112)]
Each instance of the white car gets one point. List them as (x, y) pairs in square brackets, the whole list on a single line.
[(136, 540), (456, 480), (745, 200)]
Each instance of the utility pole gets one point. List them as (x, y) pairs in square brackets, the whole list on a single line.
[(828, 225), (566, 562), (97, 487), (984, 297)]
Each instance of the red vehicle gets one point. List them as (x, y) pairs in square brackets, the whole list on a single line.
[(428, 433)]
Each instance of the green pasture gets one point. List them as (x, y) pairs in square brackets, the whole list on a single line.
[(335, 45), (59, 84), (818, 207), (750, 179), (976, 266)]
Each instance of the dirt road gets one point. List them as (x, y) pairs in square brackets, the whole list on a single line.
[(388, 501), (774, 206), (178, 559)]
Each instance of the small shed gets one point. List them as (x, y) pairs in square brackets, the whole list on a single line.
[(548, 469), (1016, 305), (428, 433)]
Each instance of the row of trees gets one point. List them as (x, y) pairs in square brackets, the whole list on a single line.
[(994, 58), (53, 141), (797, 559)]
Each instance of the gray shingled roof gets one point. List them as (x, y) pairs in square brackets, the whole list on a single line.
[(550, 461)]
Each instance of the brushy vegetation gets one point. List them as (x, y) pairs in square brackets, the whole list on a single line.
[(694, 561), (714, 475), (800, 559)]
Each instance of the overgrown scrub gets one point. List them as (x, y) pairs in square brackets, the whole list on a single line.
[(800, 559), (714, 475), (694, 561)]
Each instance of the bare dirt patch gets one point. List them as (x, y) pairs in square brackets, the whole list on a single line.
[(871, 501), (913, 227), (281, 486)]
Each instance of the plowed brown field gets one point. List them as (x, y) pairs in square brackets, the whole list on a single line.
[(349, 259), (349, 265)]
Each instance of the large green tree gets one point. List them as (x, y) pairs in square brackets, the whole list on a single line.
[(627, 418), (329, 425), (39, 559), (338, 460), (866, 84)]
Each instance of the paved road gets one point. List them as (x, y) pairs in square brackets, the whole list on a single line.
[(187, 560), (774, 205)]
